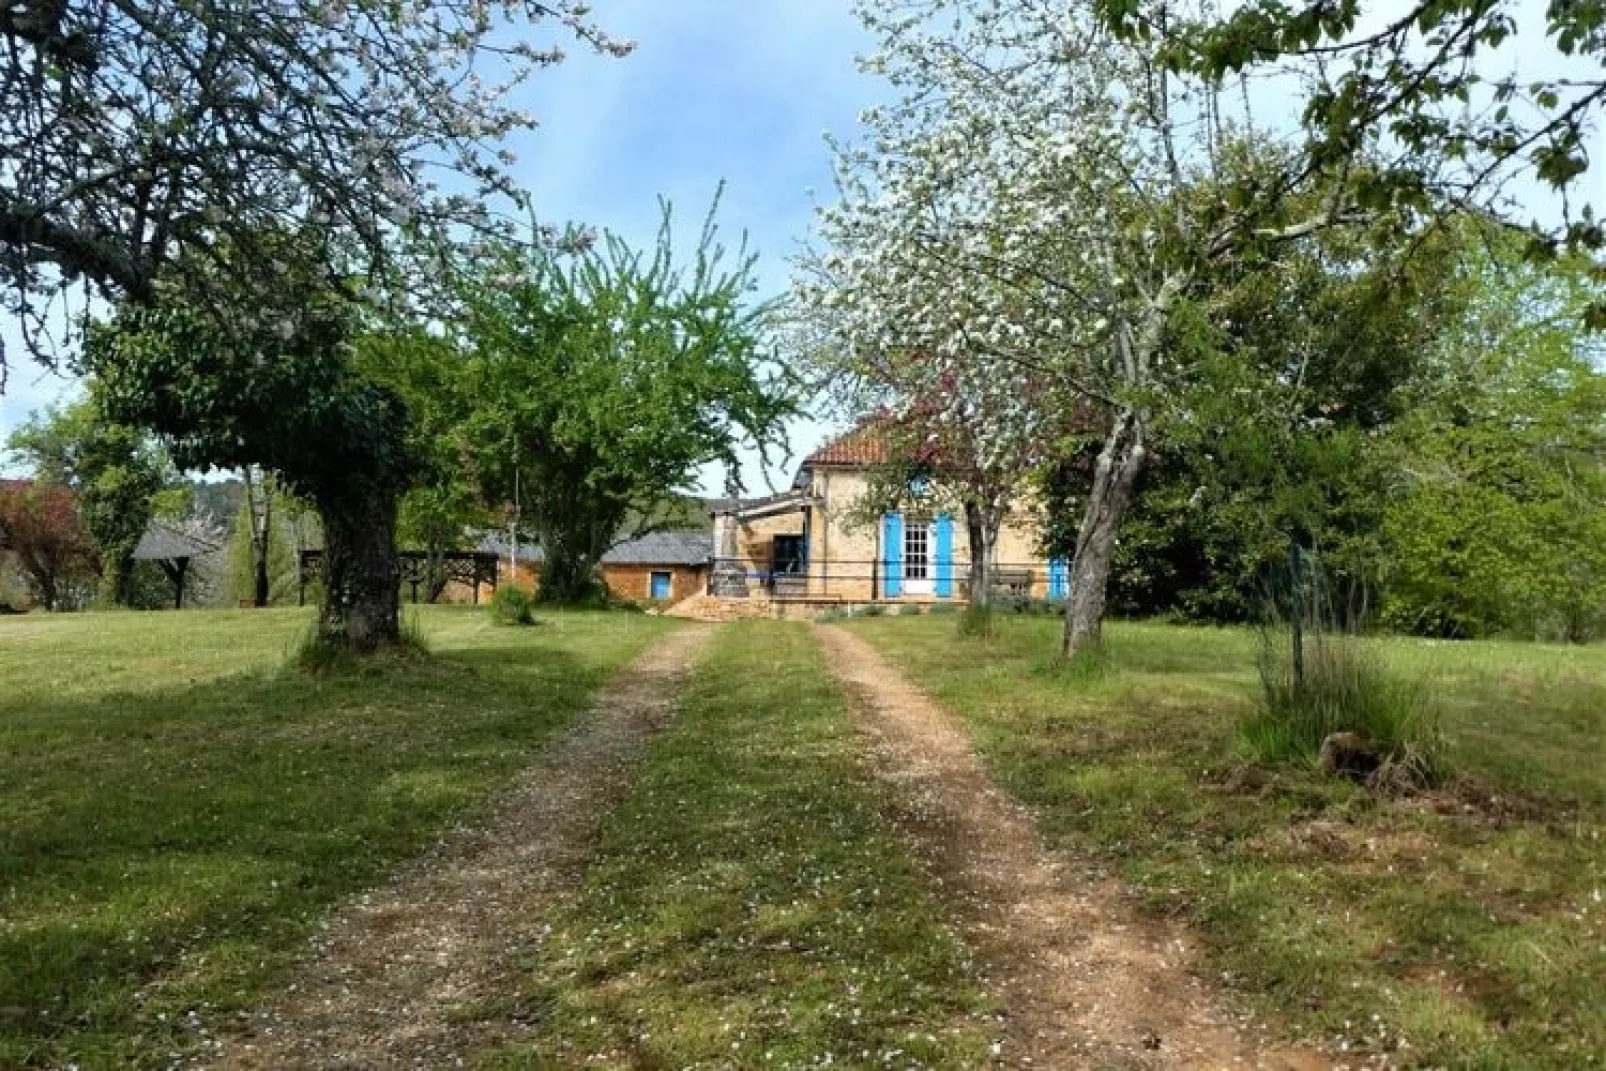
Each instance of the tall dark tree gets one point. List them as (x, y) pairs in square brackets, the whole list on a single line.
[(445, 505)]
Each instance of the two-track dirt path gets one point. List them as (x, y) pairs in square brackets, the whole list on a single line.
[(1085, 982), (392, 979)]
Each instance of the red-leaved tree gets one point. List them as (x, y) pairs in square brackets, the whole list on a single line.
[(40, 525)]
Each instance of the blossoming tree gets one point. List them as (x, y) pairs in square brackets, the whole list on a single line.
[(139, 136), (1043, 201)]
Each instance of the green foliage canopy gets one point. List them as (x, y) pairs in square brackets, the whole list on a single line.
[(604, 377), (284, 392)]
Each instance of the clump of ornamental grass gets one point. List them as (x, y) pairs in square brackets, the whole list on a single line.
[(1327, 700)]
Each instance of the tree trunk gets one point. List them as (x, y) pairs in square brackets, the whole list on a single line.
[(435, 575), (117, 579), (49, 591), (572, 550), (1114, 474), (982, 526), (261, 534), (567, 578), (263, 589), (362, 580)]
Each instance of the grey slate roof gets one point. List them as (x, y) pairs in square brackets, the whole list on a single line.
[(161, 543), (691, 546), (496, 543)]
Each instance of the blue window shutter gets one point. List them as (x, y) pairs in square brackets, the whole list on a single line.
[(892, 554), (943, 530), (1058, 575)]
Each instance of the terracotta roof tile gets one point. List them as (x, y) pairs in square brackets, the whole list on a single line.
[(864, 445)]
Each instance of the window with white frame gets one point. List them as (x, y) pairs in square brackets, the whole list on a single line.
[(917, 551)]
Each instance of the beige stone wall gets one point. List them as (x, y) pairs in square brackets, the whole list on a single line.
[(843, 546), (755, 539), (632, 582), (844, 549)]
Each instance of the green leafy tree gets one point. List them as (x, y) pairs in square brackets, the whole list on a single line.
[(445, 505), (1497, 520), (121, 478), (603, 378), (262, 565), (282, 391), (1295, 361)]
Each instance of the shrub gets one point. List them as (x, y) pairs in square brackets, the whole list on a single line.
[(943, 609), (911, 610), (873, 609), (594, 596), (978, 621), (512, 606)]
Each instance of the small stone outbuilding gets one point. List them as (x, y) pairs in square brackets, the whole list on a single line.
[(661, 568)]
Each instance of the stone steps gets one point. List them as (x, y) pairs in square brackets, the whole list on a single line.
[(705, 607)]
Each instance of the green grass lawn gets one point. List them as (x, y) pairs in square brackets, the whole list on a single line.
[(177, 809), (1470, 923), (751, 907)]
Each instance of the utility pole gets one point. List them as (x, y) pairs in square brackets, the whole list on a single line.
[(513, 533)]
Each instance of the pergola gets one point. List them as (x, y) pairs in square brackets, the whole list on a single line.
[(172, 550), (471, 568)]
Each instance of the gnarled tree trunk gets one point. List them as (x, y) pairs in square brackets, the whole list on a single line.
[(362, 594), (1114, 474)]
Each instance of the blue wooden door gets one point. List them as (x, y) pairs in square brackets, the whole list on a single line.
[(660, 586)]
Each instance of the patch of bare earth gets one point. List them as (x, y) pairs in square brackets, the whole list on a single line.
[(1084, 980), (396, 978)]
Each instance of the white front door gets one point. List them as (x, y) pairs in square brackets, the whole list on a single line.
[(917, 558)]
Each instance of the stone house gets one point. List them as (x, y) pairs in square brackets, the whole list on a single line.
[(817, 544)]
